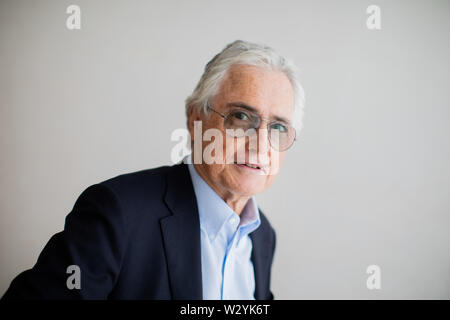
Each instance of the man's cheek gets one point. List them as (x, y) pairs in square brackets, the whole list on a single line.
[(234, 150), (276, 160)]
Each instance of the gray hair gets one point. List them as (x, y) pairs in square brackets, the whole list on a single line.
[(243, 52)]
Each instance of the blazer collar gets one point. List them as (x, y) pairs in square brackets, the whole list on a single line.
[(261, 260), (181, 236)]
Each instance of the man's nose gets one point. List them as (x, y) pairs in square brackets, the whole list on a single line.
[(263, 141)]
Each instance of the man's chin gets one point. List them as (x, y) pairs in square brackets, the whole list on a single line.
[(251, 187)]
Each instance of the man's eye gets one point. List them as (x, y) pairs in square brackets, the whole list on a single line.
[(279, 126), (240, 116)]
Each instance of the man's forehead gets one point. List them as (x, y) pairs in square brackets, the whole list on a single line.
[(262, 88), (243, 76)]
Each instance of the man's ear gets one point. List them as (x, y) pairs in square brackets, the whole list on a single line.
[(192, 116)]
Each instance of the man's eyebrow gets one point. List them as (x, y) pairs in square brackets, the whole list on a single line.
[(243, 105)]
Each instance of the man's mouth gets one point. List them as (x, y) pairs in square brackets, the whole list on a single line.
[(252, 166)]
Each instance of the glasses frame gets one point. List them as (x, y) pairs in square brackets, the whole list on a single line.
[(261, 119)]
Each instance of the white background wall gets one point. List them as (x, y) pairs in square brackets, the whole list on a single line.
[(368, 182)]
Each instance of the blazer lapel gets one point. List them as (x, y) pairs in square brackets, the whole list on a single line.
[(260, 259), (181, 236)]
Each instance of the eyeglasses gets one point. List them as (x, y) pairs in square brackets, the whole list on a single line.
[(239, 122)]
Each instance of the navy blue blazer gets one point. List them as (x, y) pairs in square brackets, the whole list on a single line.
[(135, 236)]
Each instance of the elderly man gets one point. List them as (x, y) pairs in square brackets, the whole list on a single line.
[(192, 230)]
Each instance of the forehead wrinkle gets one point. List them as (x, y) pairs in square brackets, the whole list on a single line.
[(255, 89)]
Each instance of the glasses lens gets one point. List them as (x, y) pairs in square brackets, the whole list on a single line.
[(239, 123), (282, 138)]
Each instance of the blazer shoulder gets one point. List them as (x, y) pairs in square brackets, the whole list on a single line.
[(136, 179), (148, 183), (139, 191)]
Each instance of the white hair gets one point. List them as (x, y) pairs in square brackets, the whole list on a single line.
[(243, 52)]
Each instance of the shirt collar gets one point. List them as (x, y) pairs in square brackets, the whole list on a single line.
[(214, 212)]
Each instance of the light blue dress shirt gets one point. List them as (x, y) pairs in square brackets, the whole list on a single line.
[(227, 270)]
